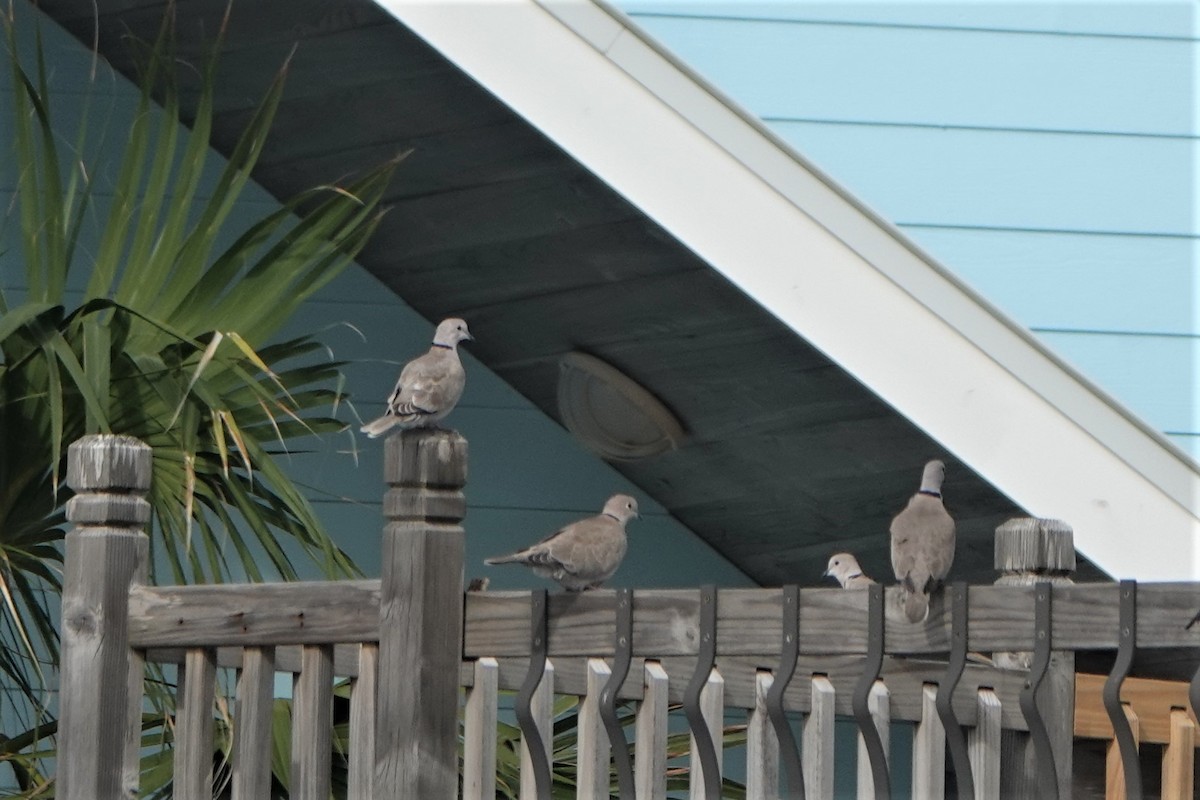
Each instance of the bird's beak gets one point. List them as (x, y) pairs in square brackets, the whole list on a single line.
[(825, 574)]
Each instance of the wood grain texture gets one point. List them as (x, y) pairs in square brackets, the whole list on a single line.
[(364, 694), (253, 720), (312, 725), (762, 745), (831, 621), (420, 616), (1178, 764), (929, 749), (479, 732), (1114, 768), (594, 752), (1154, 701), (210, 615), (650, 740), (817, 751), (193, 775), (983, 744), (542, 708), (877, 703), (712, 707)]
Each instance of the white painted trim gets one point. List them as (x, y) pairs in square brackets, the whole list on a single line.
[(835, 272)]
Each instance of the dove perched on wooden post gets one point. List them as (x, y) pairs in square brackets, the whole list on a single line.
[(429, 386), (584, 554), (923, 543), (844, 567)]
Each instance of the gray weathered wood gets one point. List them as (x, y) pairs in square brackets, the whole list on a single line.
[(712, 708), (762, 745), (817, 749), (877, 703), (312, 725), (1029, 551), (983, 744), (650, 742), (832, 621), (101, 678), (479, 732), (594, 751), (361, 769), (542, 708), (193, 779), (252, 724), (420, 616), (929, 749), (316, 612)]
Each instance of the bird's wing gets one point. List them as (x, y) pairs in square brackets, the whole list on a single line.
[(428, 384)]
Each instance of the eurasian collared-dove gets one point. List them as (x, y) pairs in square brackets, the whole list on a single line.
[(923, 543), (584, 554), (429, 386), (844, 567)]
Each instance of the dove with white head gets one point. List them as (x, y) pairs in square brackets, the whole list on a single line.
[(844, 567), (923, 543), (429, 386), (584, 554)]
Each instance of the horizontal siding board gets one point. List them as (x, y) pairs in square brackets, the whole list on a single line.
[(1005, 178), (975, 77)]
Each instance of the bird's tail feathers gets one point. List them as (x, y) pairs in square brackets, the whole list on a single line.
[(511, 558), (377, 427), (916, 606)]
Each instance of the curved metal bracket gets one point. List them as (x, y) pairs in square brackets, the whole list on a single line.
[(788, 653), (706, 749), (862, 693), (1047, 774), (1126, 648), (539, 630), (956, 740), (622, 656)]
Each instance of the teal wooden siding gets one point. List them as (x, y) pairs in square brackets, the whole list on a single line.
[(527, 474), (1043, 151)]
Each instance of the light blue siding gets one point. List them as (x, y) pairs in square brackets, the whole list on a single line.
[(1044, 151)]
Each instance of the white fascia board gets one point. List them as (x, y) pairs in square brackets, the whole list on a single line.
[(842, 278)]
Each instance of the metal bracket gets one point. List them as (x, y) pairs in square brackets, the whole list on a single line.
[(705, 747), (872, 665), (539, 633), (956, 739), (1126, 648), (788, 653), (622, 656)]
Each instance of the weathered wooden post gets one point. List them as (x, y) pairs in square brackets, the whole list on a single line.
[(1029, 551), (421, 607), (99, 734)]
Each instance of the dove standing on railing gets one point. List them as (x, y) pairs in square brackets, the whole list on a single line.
[(584, 554), (844, 567), (923, 543), (429, 386)]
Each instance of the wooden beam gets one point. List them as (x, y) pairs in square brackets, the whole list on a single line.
[(1154, 702)]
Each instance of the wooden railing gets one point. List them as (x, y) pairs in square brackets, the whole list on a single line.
[(412, 640)]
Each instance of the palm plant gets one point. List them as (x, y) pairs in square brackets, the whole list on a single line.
[(170, 340)]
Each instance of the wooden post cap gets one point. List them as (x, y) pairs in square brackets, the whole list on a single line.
[(108, 462), (1028, 544), (425, 457)]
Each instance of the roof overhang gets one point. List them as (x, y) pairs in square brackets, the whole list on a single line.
[(831, 270)]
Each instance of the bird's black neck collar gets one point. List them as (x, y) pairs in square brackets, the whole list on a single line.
[(614, 516), (443, 346), (931, 493), (855, 575)]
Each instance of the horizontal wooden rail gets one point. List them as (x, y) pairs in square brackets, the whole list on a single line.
[(1150, 700), (832, 621)]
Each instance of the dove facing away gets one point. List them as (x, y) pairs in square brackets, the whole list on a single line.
[(584, 554), (923, 543), (844, 567), (429, 386)]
